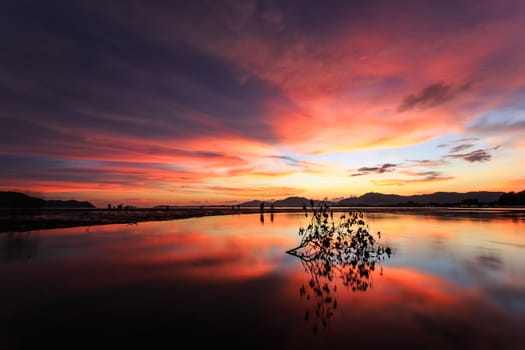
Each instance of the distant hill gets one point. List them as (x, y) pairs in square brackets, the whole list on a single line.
[(381, 199), (287, 202), (20, 200), (255, 203), (297, 202), (373, 198), (68, 204)]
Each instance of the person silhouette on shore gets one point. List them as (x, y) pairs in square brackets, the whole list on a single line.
[(262, 207)]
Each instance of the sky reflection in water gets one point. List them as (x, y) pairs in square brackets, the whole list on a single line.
[(450, 283)]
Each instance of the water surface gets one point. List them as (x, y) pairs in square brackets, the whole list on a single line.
[(451, 282)]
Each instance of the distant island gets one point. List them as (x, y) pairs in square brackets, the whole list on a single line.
[(479, 198), (20, 200)]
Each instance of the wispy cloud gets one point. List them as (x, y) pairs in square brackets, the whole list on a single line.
[(461, 147), (384, 168), (425, 162), (249, 193), (418, 177), (467, 140), (429, 170), (303, 164), (514, 122), (479, 155), (431, 95)]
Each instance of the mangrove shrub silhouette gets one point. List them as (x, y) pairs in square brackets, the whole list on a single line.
[(336, 251)]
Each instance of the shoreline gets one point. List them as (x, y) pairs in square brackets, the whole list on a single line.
[(20, 220), (43, 219)]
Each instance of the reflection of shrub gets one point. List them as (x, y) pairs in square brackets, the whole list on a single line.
[(333, 250)]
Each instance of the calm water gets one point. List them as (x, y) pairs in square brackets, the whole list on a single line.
[(450, 283)]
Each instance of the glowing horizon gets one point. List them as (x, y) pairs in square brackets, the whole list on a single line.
[(222, 103)]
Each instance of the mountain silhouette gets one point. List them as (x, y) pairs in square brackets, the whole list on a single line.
[(298, 202), (381, 199), (20, 200), (373, 198), (255, 203), (293, 201)]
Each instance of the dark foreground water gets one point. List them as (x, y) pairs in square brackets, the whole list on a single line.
[(451, 283)]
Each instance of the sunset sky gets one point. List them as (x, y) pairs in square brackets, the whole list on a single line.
[(221, 102)]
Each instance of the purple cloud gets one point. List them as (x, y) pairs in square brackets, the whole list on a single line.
[(479, 155), (387, 167)]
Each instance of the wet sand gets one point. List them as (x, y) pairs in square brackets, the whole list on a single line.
[(40, 219), (18, 220)]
